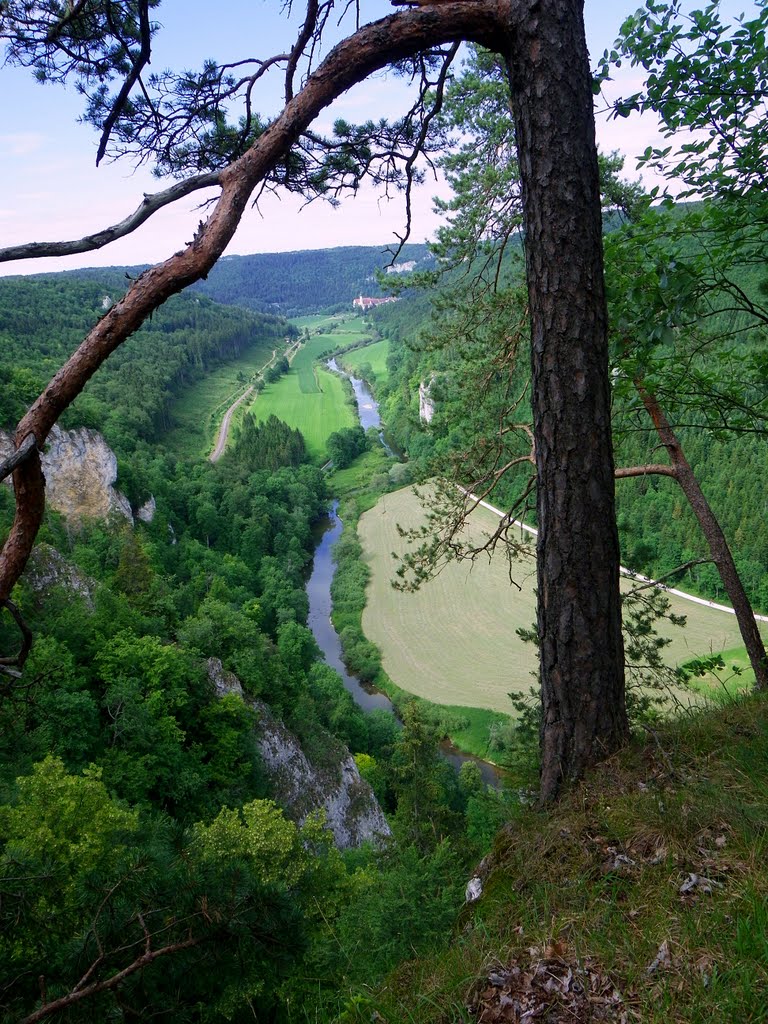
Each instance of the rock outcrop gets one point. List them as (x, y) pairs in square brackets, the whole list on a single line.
[(426, 404), (352, 812), (147, 511), (47, 569), (80, 472)]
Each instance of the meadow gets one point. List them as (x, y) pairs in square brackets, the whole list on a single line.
[(374, 354), (454, 641), (310, 398)]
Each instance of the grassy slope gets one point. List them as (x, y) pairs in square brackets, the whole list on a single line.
[(198, 411), (596, 882), (454, 641)]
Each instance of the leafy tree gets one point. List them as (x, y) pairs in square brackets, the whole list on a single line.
[(343, 446), (267, 445), (119, 914), (690, 267)]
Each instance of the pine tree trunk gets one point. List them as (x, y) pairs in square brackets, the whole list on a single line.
[(579, 607)]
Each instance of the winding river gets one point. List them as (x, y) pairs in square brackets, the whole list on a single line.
[(367, 406), (319, 595)]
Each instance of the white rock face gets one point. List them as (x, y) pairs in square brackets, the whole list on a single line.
[(352, 812), (80, 470), (474, 890), (426, 405), (147, 511), (47, 568)]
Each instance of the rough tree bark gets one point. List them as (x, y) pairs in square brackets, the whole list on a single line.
[(579, 609)]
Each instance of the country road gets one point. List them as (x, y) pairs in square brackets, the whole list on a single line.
[(221, 437), (622, 570)]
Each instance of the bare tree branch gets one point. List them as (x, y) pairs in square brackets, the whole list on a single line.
[(8, 666), (672, 572), (25, 449), (305, 34), (148, 957), (139, 63), (149, 205), (655, 469)]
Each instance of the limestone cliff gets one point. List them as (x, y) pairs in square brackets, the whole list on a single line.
[(426, 403), (352, 812), (80, 472), (47, 569)]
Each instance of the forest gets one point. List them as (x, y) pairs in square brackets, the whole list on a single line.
[(117, 726), (153, 673), (306, 281), (657, 529)]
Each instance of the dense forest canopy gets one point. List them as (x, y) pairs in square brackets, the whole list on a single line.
[(294, 283), (44, 317)]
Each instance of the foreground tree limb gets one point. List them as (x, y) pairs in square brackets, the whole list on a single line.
[(366, 51), (710, 527), (149, 205), (76, 996)]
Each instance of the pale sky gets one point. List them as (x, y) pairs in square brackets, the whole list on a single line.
[(50, 188)]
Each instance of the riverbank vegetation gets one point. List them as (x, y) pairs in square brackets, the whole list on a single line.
[(477, 730), (368, 362)]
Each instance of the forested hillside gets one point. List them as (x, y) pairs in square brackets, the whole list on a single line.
[(43, 319), (307, 281), (657, 528), (136, 811)]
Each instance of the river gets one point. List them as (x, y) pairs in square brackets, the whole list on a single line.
[(367, 406), (319, 595)]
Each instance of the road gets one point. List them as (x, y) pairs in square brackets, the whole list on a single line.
[(221, 437), (622, 570)]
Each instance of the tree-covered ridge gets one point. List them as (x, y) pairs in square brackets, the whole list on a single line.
[(307, 281), (44, 317), (115, 748), (658, 531)]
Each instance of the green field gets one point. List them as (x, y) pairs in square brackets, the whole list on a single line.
[(374, 354), (346, 323), (735, 676), (318, 412), (454, 641), (198, 412), (308, 397)]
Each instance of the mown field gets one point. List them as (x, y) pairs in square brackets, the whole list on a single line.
[(375, 355), (454, 641), (198, 411)]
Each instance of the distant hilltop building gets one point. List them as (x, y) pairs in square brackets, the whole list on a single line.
[(365, 302)]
